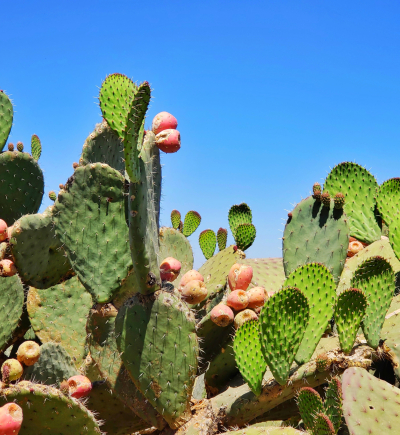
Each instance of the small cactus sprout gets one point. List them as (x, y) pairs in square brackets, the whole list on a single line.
[(7, 268), (322, 362), (190, 276), (240, 276), (170, 269), (175, 218), (169, 141), (317, 191), (10, 147), (243, 317), (28, 353), (75, 165), (238, 300), (326, 199), (79, 386), (222, 237), (222, 315), (52, 195), (339, 201), (20, 146), (11, 417), (11, 370), (163, 121), (3, 231), (257, 297), (194, 292), (354, 248)]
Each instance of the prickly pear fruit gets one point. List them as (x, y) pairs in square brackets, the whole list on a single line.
[(163, 121), (168, 141), (52, 195), (354, 248), (7, 268), (28, 353), (10, 147), (11, 370), (317, 191), (326, 199), (190, 276), (238, 300), (339, 200), (240, 276), (222, 315), (79, 386), (244, 316), (11, 417), (170, 269), (20, 146), (257, 297), (194, 292), (3, 231)]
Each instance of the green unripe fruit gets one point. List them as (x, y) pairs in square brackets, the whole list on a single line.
[(11, 370), (20, 146), (52, 195)]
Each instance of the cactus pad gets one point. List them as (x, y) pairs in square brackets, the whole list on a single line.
[(222, 237), (6, 118), (208, 243), (36, 147), (191, 223), (267, 272), (333, 402), (175, 219), (239, 214), (174, 244), (388, 199), (323, 426), (309, 403), (245, 235)]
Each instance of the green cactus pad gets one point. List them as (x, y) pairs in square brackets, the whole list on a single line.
[(47, 411), (375, 277), (174, 244), (159, 349), (323, 426), (350, 309), (333, 402), (6, 118), (245, 235), (281, 335), (309, 403), (359, 188), (58, 314), (377, 408), (208, 243), (90, 221), (394, 234), (36, 147), (37, 251), (222, 237), (317, 284), (175, 219), (239, 214), (314, 233), (191, 223), (21, 185), (267, 272), (249, 356), (388, 199)]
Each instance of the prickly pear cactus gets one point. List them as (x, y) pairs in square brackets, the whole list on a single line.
[(36, 147), (6, 118), (191, 223), (387, 199), (309, 403), (208, 243)]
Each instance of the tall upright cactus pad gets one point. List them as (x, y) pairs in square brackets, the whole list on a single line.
[(36, 147), (58, 314), (47, 411), (245, 236), (222, 237), (310, 403), (38, 253), (208, 243), (388, 199), (370, 401), (21, 185), (350, 309), (191, 223), (359, 188), (375, 277), (267, 272), (281, 335), (156, 335), (317, 284), (90, 221), (333, 402), (6, 118), (315, 233), (239, 214), (175, 219)]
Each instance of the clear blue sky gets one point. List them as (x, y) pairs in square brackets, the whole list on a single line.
[(268, 94)]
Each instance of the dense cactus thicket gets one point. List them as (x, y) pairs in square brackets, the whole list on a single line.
[(105, 327)]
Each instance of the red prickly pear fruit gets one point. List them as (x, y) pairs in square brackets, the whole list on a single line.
[(170, 269), (244, 316), (169, 141), (194, 292), (222, 315), (11, 370), (10, 147), (354, 248), (3, 231), (75, 165), (163, 121), (238, 300), (240, 276), (11, 417), (28, 353), (257, 297), (190, 276), (79, 386), (7, 268)]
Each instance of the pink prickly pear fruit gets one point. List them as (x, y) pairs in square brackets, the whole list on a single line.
[(194, 292), (28, 353), (222, 315), (240, 276), (238, 300), (79, 386), (190, 276), (7, 268), (169, 141), (11, 417), (11, 370), (170, 269), (163, 121), (257, 297), (3, 231), (244, 316)]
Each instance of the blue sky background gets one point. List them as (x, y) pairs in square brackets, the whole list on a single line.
[(268, 94)]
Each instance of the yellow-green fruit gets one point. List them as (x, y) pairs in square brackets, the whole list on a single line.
[(11, 370), (28, 353)]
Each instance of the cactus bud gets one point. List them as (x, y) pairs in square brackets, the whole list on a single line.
[(75, 165), (317, 191), (52, 195), (326, 199), (20, 146), (10, 147), (339, 200)]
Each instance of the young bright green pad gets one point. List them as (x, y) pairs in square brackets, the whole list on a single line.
[(317, 284), (47, 411), (323, 426), (314, 233), (283, 321), (208, 243), (350, 309), (222, 237), (310, 403), (6, 118), (191, 223), (21, 185), (239, 214), (375, 277), (245, 235), (249, 356), (175, 219), (157, 339), (37, 251), (333, 402), (371, 401), (360, 188), (388, 199), (90, 221), (36, 147)]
